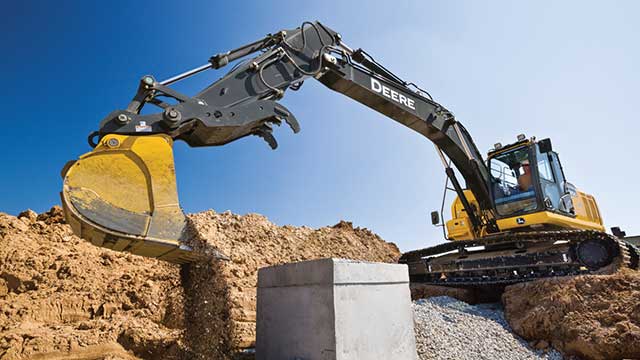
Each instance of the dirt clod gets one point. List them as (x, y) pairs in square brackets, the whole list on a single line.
[(53, 216), (29, 215)]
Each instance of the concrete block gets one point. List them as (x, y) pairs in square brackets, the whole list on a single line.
[(334, 309)]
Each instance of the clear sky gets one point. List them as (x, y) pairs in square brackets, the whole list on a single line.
[(565, 70)]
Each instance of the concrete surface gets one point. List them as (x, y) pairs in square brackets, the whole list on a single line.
[(334, 309)]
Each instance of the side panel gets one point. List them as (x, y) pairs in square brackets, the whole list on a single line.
[(548, 218), (586, 208), (459, 227)]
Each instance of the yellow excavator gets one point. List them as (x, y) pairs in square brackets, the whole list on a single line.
[(516, 219)]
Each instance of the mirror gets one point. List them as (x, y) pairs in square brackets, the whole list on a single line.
[(618, 233), (435, 217), (545, 146), (566, 203)]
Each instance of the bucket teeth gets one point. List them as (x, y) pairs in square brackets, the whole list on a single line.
[(266, 133)]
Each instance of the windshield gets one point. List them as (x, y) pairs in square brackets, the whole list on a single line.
[(512, 185)]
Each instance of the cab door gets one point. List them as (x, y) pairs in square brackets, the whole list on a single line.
[(551, 179), (567, 189)]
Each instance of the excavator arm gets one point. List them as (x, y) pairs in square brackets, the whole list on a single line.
[(123, 195)]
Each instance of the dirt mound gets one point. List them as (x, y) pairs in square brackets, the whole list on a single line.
[(252, 241), (592, 316), (62, 296)]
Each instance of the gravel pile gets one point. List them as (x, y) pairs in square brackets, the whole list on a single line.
[(450, 329)]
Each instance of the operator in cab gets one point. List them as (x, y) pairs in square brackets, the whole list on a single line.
[(525, 182)]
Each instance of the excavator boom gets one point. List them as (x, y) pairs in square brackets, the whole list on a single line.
[(122, 195)]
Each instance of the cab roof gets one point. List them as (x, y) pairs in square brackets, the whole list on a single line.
[(526, 142)]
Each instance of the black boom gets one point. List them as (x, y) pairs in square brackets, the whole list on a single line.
[(244, 101)]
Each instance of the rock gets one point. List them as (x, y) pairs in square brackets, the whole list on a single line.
[(541, 345), (29, 215), (590, 316), (53, 216)]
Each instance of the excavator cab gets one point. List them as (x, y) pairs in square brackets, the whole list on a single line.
[(527, 177), (529, 189)]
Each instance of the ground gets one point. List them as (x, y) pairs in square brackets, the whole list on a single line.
[(60, 296)]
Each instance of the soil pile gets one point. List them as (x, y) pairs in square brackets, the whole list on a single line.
[(252, 242), (61, 297), (591, 316)]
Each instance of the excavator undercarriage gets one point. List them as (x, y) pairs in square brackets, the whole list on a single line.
[(506, 258)]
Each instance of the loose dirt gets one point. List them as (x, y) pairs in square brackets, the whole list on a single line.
[(591, 316), (252, 241), (60, 296), (63, 298)]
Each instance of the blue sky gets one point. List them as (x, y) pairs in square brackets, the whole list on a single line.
[(565, 70)]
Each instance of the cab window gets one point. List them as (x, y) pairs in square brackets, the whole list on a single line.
[(512, 182), (551, 189), (544, 167)]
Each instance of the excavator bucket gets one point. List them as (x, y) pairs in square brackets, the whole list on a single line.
[(123, 196)]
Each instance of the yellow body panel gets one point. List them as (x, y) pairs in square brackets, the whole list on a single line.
[(547, 218), (587, 217), (459, 227), (586, 208)]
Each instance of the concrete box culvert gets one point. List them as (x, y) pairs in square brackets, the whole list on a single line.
[(334, 309)]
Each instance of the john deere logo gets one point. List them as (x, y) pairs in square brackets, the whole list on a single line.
[(520, 221)]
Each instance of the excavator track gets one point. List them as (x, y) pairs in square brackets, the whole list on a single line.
[(507, 258)]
